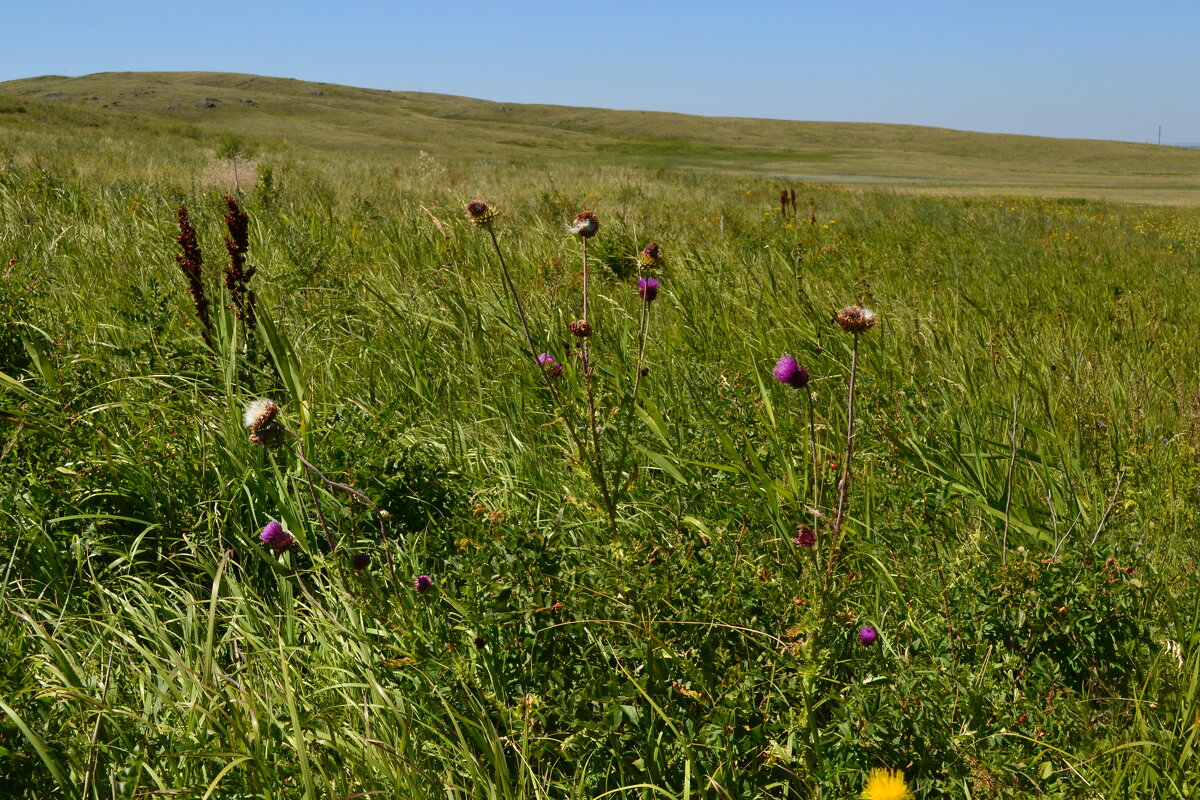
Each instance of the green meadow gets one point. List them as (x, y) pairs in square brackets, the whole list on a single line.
[(645, 567)]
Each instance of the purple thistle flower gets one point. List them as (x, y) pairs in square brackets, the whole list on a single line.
[(275, 537), (788, 370), (551, 367), (868, 635), (805, 536), (479, 642), (360, 561), (648, 289), (422, 583)]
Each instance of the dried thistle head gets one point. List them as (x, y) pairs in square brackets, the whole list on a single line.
[(585, 225), (856, 319), (649, 257), (260, 419), (805, 536), (481, 213), (581, 328)]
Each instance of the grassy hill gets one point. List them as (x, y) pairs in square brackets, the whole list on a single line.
[(183, 107)]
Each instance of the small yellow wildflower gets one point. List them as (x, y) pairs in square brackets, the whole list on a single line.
[(886, 784)]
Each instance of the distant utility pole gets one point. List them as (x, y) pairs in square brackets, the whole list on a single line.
[(1160, 134)]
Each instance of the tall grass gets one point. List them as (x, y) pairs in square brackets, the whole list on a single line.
[(1037, 626)]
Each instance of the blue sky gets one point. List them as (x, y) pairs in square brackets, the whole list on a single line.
[(1106, 70)]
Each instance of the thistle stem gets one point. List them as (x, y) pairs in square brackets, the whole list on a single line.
[(588, 379), (643, 329), (844, 484), (299, 454), (559, 405), (812, 446)]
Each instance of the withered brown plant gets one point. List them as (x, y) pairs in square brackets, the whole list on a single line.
[(191, 262), (237, 274)]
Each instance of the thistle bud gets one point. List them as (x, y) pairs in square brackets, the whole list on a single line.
[(480, 213)]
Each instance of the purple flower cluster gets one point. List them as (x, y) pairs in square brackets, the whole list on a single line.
[(868, 635), (275, 537), (551, 367), (788, 370), (648, 289), (422, 583)]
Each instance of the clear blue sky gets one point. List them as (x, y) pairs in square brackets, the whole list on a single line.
[(1099, 69)]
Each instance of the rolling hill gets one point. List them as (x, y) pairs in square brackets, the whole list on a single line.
[(375, 124)]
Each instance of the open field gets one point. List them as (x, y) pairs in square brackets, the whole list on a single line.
[(181, 108), (621, 599)]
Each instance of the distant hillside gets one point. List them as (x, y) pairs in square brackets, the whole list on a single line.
[(372, 123)]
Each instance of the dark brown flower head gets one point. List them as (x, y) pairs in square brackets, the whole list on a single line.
[(480, 213), (581, 328), (649, 256), (856, 319), (805, 536), (586, 225)]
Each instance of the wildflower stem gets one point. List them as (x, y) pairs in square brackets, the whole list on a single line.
[(844, 484), (643, 329), (559, 405), (1008, 484), (299, 454), (812, 446), (312, 492), (512, 290), (588, 380)]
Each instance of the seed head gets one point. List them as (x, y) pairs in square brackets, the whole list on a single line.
[(480, 213), (581, 328), (422, 583), (275, 537), (585, 225), (648, 289), (260, 418), (805, 536), (788, 370), (856, 319), (649, 256), (868, 635)]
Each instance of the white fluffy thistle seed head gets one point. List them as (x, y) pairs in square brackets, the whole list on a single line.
[(259, 417)]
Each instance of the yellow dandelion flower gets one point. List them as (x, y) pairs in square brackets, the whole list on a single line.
[(886, 784)]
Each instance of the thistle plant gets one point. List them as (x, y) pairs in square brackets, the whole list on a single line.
[(586, 225), (266, 429), (854, 320), (791, 372), (586, 435), (482, 215)]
